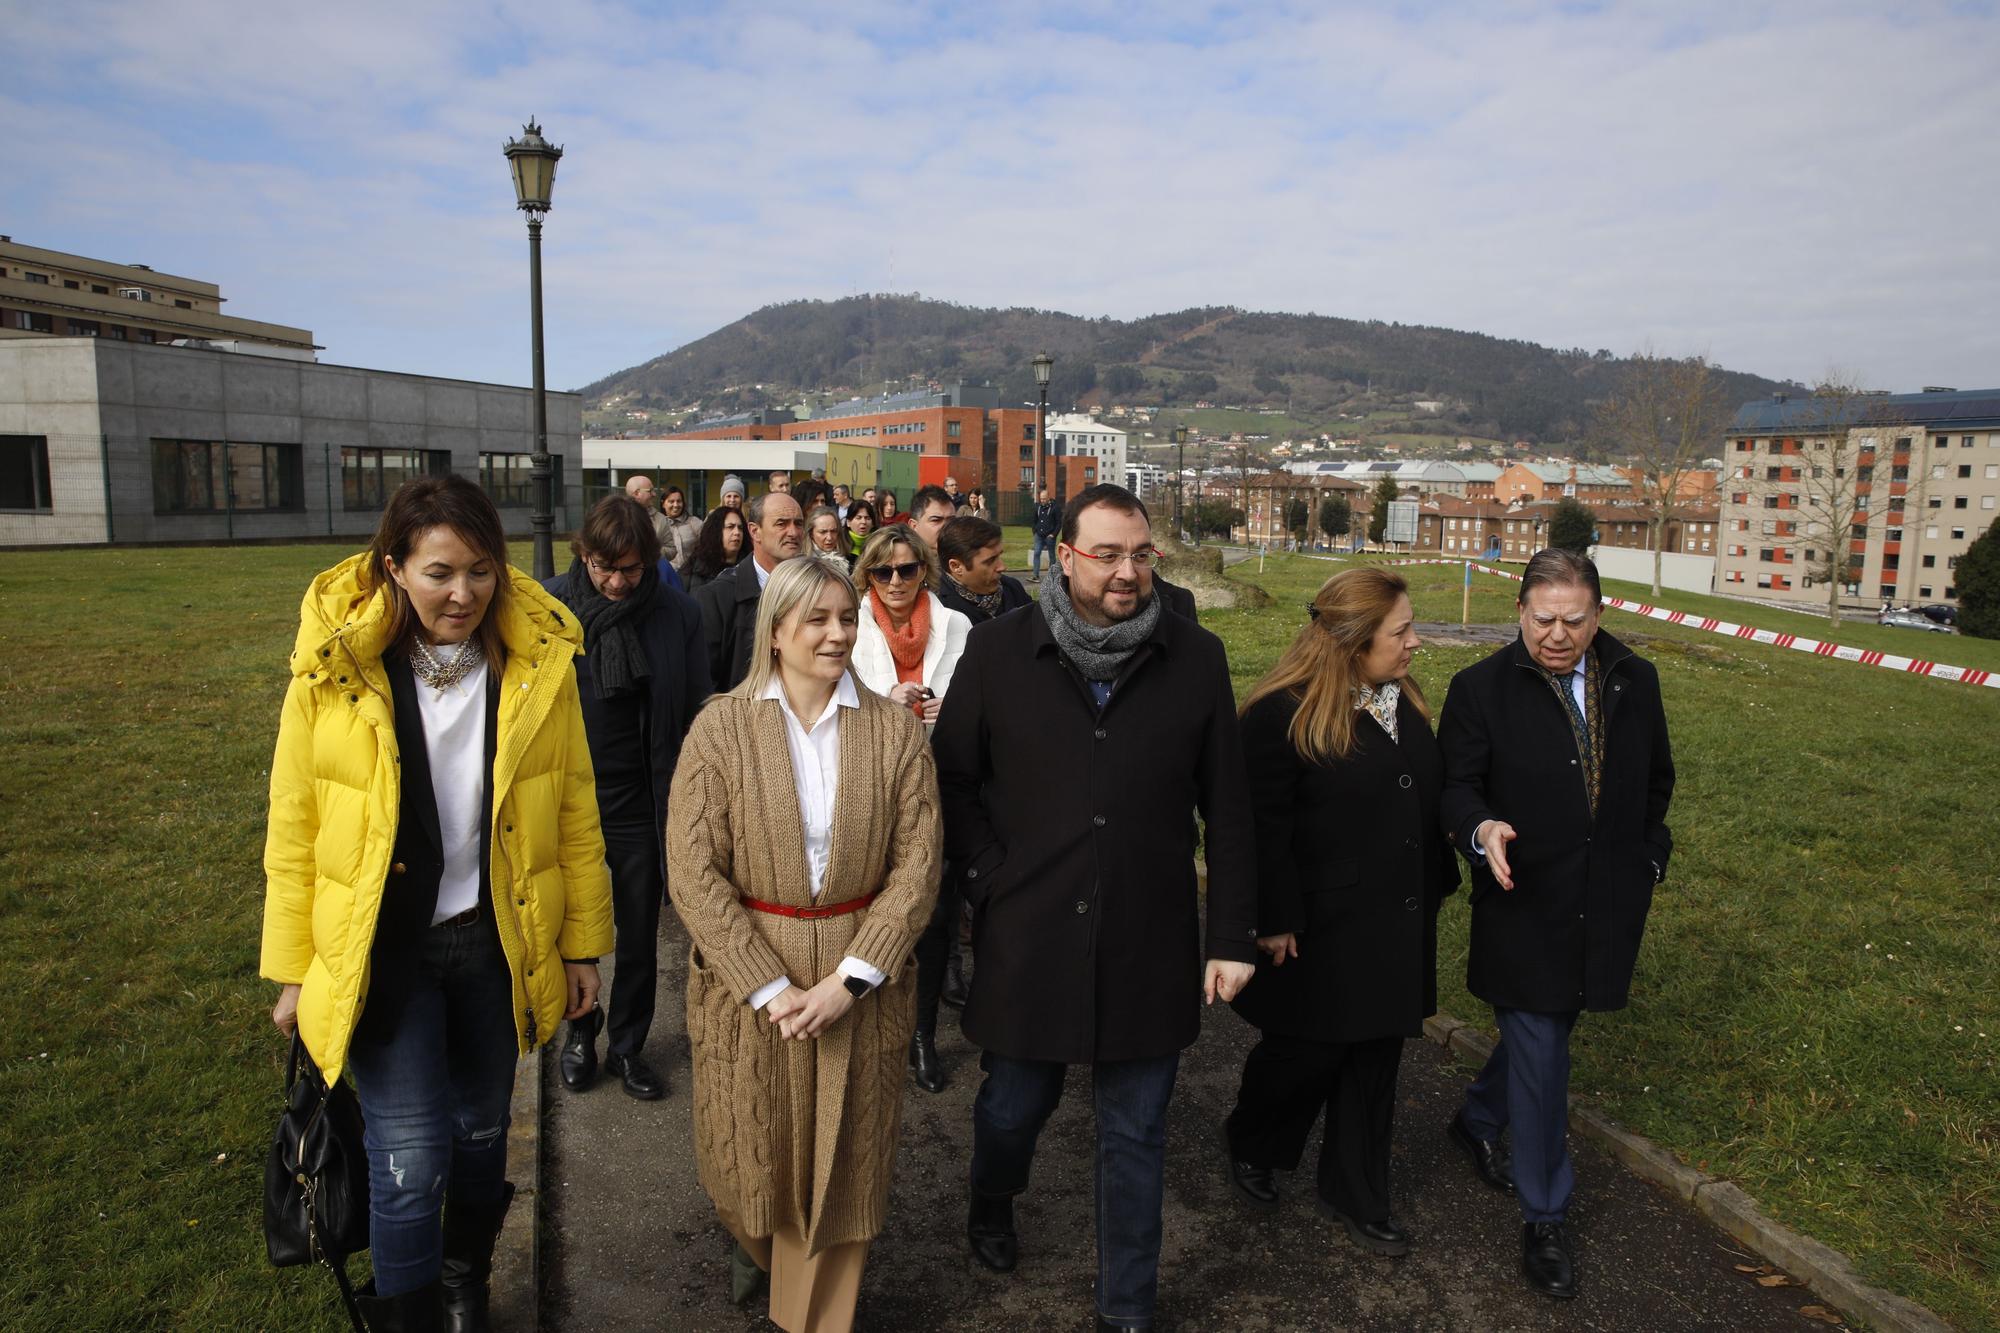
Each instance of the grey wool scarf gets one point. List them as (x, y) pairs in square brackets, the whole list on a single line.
[(1099, 651)]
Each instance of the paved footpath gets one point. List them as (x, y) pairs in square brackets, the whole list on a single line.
[(631, 1242)]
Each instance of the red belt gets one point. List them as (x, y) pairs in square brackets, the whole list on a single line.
[(808, 913)]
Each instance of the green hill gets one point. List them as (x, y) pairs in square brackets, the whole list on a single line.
[(1342, 375)]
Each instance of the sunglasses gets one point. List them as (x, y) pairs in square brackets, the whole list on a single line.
[(906, 572)]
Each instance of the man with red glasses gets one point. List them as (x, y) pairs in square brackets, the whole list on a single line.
[(1079, 738)]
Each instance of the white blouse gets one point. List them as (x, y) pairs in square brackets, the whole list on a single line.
[(816, 769), (455, 741)]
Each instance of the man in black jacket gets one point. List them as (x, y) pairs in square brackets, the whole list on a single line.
[(1558, 775), (729, 600), (1076, 742), (1048, 526), (976, 581)]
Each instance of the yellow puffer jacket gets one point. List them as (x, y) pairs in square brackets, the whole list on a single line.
[(336, 790)]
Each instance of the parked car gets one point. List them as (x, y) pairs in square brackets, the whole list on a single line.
[(1940, 612), (1911, 620)]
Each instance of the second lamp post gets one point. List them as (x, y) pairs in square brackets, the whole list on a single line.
[(1043, 364), (533, 160)]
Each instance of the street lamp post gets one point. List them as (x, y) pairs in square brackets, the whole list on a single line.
[(533, 161), (1044, 364), (1180, 483)]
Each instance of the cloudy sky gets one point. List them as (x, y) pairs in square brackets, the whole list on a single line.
[(1790, 188)]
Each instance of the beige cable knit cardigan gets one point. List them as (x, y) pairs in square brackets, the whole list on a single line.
[(800, 1132)]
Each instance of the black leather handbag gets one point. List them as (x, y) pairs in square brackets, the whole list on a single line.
[(316, 1178)]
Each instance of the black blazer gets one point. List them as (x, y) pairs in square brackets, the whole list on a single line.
[(1566, 937), (1351, 859), (1075, 829), (416, 863), (729, 622), (1174, 597)]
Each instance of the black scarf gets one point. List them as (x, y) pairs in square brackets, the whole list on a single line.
[(987, 602), (610, 631)]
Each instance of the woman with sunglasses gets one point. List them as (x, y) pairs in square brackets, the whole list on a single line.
[(907, 646), (643, 675)]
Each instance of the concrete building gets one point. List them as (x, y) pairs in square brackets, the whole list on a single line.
[(1416, 476), (1074, 435), (106, 440), (49, 294), (1547, 481), (1925, 471)]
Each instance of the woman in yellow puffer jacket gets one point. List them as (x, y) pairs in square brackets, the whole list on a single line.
[(436, 894)]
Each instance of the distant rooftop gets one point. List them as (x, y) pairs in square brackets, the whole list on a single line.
[(1953, 408), (956, 395)]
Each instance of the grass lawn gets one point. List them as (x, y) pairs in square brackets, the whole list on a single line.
[(1814, 1015)]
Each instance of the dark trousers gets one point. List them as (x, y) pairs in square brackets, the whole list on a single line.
[(638, 883), (935, 948), (1016, 1100), (1524, 1089), (435, 1087), (1286, 1083)]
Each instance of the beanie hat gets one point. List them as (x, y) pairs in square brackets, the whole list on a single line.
[(732, 482)]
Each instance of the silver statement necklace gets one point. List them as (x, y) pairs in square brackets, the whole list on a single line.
[(441, 673)]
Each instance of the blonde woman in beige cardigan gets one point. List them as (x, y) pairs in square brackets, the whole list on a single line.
[(803, 828)]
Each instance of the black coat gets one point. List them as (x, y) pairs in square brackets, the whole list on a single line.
[(677, 683), (1012, 598), (729, 621), (1076, 831), (1048, 518), (1566, 936), (1351, 859), (1174, 597)]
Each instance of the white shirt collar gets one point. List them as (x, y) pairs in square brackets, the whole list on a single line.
[(844, 696), (763, 574)]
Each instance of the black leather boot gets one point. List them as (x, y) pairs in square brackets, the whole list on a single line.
[(925, 1066), (419, 1311), (1546, 1260), (990, 1228), (469, 1236), (956, 989), (578, 1061)]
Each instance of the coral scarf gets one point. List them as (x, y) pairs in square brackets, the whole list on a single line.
[(907, 644)]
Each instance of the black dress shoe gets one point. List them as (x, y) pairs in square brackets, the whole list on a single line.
[(1252, 1182), (1546, 1261), (956, 989), (578, 1061), (1489, 1159), (640, 1080), (925, 1067), (990, 1228), (1385, 1238)]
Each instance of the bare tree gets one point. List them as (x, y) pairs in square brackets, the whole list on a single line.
[(1672, 413), (1846, 460)]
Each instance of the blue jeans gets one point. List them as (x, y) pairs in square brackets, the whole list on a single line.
[(1013, 1104), (1524, 1090), (1042, 544), (435, 1090)]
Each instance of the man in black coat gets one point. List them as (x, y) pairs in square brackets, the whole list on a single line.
[(1076, 742), (640, 680), (1048, 529), (1558, 774), (729, 600), (976, 582)]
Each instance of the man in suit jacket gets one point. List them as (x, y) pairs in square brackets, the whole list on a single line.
[(729, 600), (1558, 775), (1086, 919), (976, 581)]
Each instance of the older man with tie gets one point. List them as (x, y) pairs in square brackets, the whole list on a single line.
[(1558, 774)]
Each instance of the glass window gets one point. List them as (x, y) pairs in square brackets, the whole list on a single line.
[(84, 328), (368, 477), (509, 478), (206, 476), (24, 473)]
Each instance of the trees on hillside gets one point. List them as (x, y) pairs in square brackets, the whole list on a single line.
[(1671, 413), (1572, 527), (1978, 577)]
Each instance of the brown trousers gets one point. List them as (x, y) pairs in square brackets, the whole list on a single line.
[(809, 1294)]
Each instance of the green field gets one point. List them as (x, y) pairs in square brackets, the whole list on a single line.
[(1814, 1015)]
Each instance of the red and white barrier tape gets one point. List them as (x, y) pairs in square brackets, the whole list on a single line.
[(1914, 666)]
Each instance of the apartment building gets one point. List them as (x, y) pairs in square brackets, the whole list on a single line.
[(1902, 482), (1520, 482), (50, 294)]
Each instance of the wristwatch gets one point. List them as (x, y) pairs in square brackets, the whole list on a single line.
[(856, 986)]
